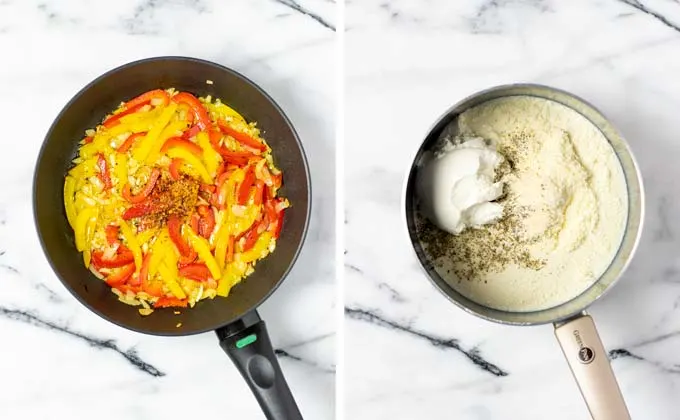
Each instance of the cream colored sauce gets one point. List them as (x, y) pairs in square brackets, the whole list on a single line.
[(572, 185)]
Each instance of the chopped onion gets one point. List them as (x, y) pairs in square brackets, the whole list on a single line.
[(97, 274), (110, 252), (239, 211), (200, 293)]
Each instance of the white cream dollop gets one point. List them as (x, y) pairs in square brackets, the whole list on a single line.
[(456, 186)]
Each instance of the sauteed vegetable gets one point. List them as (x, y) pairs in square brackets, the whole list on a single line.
[(173, 199)]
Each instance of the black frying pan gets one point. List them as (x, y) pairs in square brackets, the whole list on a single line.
[(241, 332)]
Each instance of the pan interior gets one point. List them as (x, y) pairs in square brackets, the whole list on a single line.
[(86, 110), (632, 228)]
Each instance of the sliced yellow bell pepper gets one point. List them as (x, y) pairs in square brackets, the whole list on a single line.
[(139, 118), (121, 168), (259, 250), (220, 220), (171, 130), (170, 281), (87, 258), (84, 169), (69, 200), (170, 259), (81, 201), (233, 273), (91, 149), (90, 228), (223, 110), (203, 249), (82, 223), (224, 285), (240, 224), (134, 123), (132, 243), (144, 146), (221, 247), (211, 158), (158, 251), (145, 236), (193, 161)]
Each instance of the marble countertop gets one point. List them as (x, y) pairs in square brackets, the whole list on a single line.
[(58, 360), (409, 352)]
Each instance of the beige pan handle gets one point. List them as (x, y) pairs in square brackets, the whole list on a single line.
[(589, 363)]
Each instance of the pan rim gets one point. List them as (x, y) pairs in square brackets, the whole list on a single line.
[(222, 68), (521, 318)]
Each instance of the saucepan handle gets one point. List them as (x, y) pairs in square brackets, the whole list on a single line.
[(590, 365), (249, 347)]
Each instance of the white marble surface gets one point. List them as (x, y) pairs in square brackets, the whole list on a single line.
[(57, 360), (409, 352)]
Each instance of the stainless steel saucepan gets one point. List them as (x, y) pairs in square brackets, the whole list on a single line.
[(574, 328)]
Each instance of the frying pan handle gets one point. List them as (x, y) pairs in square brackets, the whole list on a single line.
[(590, 365), (248, 345)]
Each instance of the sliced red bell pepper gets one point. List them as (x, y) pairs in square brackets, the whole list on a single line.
[(183, 143), (215, 137), (104, 173), (209, 188), (174, 168), (279, 207), (143, 276), (239, 159), (189, 116), (276, 230), (221, 169), (114, 120), (170, 302), (214, 200), (123, 257), (243, 138), (121, 275), (175, 231), (206, 191), (229, 156), (139, 210), (244, 188), (273, 218), (159, 95), (230, 249), (259, 192), (194, 222), (198, 272), (201, 114), (111, 234), (144, 193), (250, 237), (129, 142), (191, 132), (153, 289), (124, 288), (278, 179), (186, 259), (222, 178), (207, 222)]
